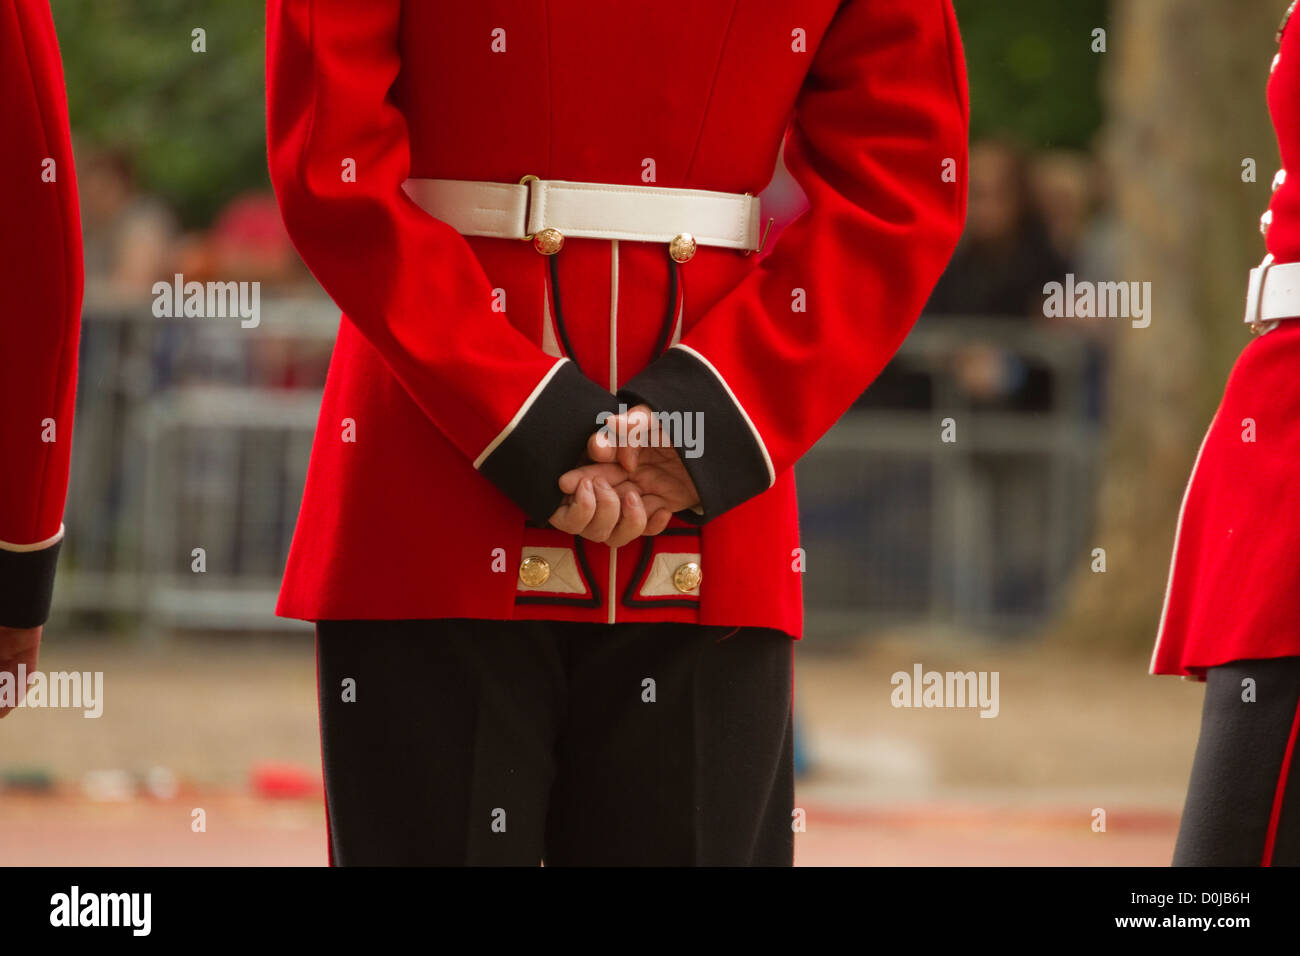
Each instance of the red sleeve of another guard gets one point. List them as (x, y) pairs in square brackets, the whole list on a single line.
[(40, 308)]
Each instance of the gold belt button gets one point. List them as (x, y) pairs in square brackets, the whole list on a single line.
[(687, 577), (682, 247), (534, 571), (548, 242)]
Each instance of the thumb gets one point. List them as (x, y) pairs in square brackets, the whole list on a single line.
[(600, 446)]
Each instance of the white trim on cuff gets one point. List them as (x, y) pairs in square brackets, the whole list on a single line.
[(35, 546), (523, 410), (758, 439)]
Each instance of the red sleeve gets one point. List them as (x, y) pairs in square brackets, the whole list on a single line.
[(878, 142), (1283, 235), (410, 283), (40, 309)]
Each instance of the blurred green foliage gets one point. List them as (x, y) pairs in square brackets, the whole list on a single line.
[(1032, 71), (193, 126)]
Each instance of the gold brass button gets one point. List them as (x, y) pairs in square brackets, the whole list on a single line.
[(548, 242), (687, 577), (534, 571), (682, 247)]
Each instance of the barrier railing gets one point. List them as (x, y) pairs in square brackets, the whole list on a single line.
[(950, 509), (195, 434)]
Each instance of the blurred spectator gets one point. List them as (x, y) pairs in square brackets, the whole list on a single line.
[(1073, 189), (1005, 256), (129, 236), (1063, 187), (1098, 257)]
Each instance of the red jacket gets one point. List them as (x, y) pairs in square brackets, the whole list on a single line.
[(40, 294), (461, 419), (1235, 571)]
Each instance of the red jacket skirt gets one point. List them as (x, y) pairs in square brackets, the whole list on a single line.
[(468, 372)]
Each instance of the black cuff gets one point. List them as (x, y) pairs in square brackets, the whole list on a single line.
[(549, 440), (27, 585), (732, 467)]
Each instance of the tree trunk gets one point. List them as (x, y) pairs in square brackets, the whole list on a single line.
[(1185, 103)]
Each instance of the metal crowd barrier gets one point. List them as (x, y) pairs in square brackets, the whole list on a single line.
[(189, 434)]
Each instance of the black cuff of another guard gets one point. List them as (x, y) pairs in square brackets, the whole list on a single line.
[(27, 586)]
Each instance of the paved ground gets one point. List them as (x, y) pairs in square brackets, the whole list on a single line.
[(1076, 735)]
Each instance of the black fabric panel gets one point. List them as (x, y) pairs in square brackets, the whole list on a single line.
[(27, 586), (550, 440), (1238, 761), (731, 469), (545, 727)]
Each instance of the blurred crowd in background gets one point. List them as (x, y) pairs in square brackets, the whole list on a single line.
[(180, 442), (952, 516), (1033, 217)]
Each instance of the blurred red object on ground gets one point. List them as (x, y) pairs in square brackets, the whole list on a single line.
[(280, 781)]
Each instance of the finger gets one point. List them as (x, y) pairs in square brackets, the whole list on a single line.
[(652, 479), (575, 515), (24, 663), (637, 423), (607, 512), (603, 447), (671, 481), (600, 446), (658, 511), (657, 521), (629, 456), (10, 670), (631, 521), (611, 472), (560, 518), (649, 503), (18, 649)]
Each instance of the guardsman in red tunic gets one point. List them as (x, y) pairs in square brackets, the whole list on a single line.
[(1232, 615), (40, 308), (549, 531)]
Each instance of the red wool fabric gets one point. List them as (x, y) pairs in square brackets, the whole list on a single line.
[(400, 523), (41, 278), (40, 286), (1236, 563)]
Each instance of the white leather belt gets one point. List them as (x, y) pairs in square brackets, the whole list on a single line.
[(524, 210), (1273, 294)]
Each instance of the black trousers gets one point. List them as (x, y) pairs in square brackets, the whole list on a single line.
[(1243, 803), (457, 742)]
